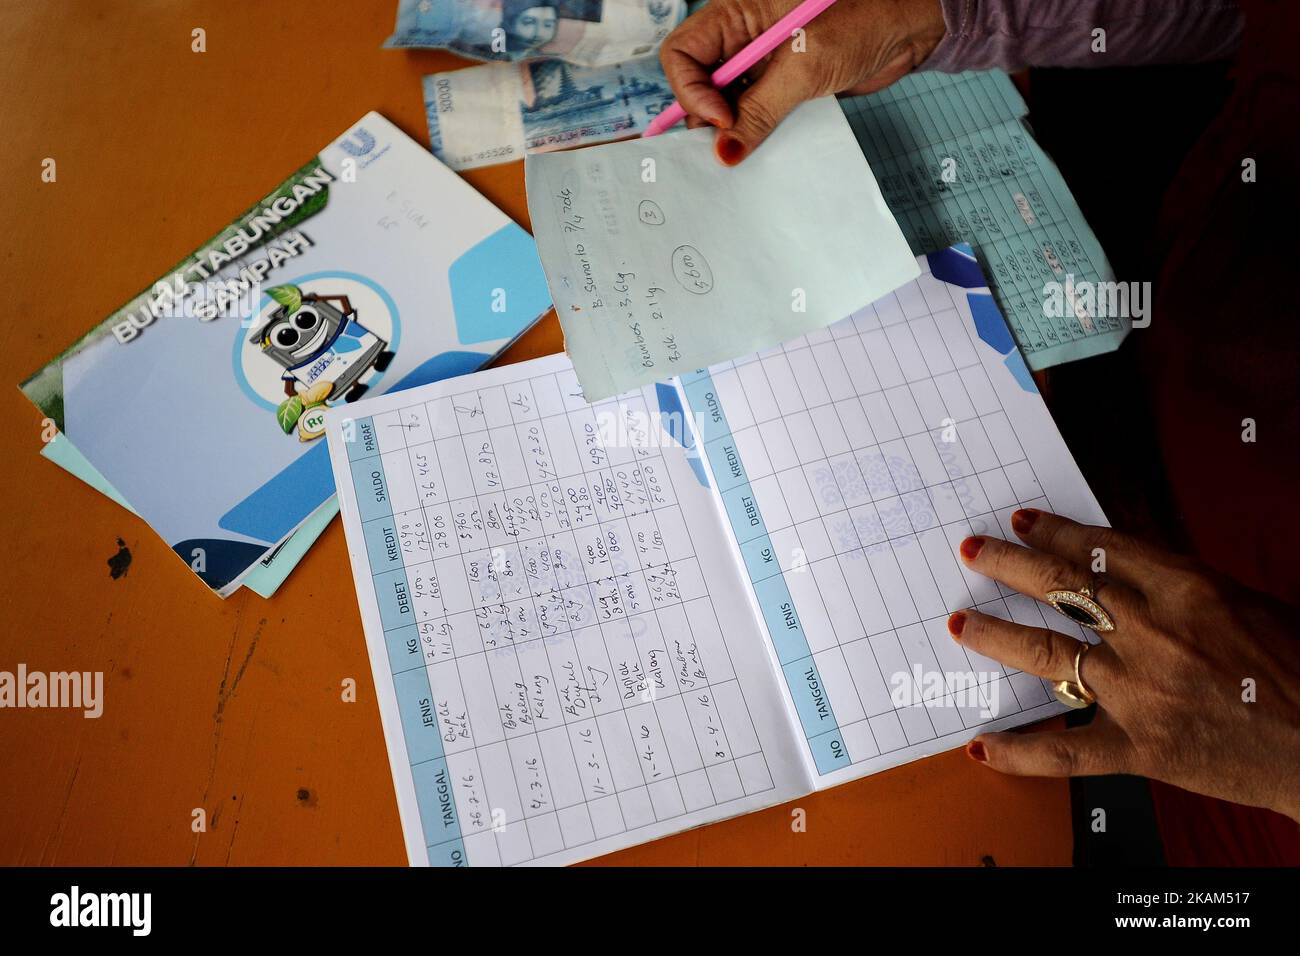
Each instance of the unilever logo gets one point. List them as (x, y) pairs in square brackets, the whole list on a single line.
[(364, 142)]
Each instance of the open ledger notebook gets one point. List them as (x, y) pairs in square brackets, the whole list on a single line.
[(592, 625)]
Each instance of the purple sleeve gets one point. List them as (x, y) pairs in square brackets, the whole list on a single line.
[(1011, 34)]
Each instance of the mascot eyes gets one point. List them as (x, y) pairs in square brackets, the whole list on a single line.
[(290, 333), (305, 320)]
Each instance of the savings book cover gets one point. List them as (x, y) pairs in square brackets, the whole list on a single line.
[(372, 268)]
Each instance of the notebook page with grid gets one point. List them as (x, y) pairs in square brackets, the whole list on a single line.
[(560, 640), (851, 463)]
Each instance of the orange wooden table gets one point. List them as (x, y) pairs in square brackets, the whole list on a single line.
[(235, 706)]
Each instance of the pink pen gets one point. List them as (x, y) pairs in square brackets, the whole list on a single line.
[(754, 51)]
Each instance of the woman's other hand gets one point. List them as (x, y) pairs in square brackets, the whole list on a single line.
[(856, 46), (1198, 685)]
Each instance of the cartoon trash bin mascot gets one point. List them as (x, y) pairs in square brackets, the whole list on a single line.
[(324, 352)]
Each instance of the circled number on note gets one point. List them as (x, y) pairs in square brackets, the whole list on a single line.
[(650, 213), (692, 270)]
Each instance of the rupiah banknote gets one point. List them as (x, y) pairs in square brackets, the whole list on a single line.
[(498, 112), (583, 32)]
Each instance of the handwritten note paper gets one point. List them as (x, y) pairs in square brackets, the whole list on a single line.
[(661, 260)]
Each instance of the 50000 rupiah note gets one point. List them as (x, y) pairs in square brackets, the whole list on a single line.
[(585, 32), (500, 111)]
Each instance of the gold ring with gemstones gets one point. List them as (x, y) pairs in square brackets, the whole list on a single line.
[(1081, 607), (1075, 693)]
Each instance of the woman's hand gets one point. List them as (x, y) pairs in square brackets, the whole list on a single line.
[(1198, 685), (856, 46)]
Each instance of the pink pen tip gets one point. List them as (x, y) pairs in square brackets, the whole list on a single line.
[(665, 120)]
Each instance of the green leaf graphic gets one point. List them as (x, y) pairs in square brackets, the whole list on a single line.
[(289, 296), (289, 412)]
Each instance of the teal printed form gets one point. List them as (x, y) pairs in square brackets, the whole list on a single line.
[(593, 624), (956, 162)]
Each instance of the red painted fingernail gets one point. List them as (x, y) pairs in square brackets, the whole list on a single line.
[(975, 750), (1023, 520), (956, 622), (970, 548), (730, 150)]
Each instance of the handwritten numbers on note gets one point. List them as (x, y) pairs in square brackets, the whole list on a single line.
[(692, 271)]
